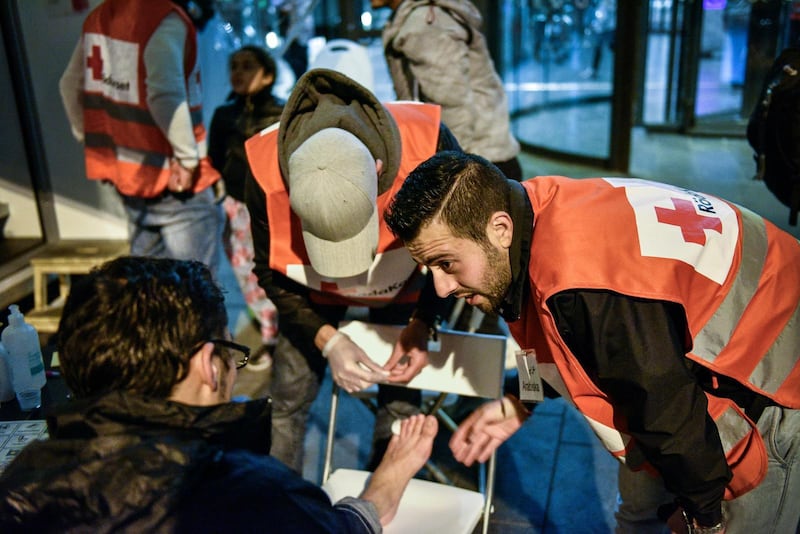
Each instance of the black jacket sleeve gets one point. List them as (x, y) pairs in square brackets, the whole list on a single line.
[(297, 319), (216, 139), (634, 351)]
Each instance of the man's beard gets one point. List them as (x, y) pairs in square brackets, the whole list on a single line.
[(496, 281)]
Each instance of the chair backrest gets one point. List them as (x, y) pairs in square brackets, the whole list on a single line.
[(465, 364), (284, 79), (347, 57)]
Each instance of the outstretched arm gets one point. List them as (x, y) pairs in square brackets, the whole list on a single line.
[(406, 454), (487, 428)]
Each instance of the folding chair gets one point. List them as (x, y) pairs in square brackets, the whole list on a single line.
[(349, 58), (434, 403), (466, 364)]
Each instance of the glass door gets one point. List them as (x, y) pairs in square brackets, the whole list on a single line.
[(558, 66), (668, 80), (26, 212), (722, 63), (706, 62), (739, 38)]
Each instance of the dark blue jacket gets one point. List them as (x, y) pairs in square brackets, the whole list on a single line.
[(123, 463)]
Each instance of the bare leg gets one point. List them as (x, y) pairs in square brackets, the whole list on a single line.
[(404, 457)]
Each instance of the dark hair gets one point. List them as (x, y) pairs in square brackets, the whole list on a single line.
[(463, 190), (132, 323), (263, 57)]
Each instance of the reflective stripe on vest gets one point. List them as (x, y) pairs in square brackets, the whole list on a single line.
[(123, 143), (744, 449), (781, 357)]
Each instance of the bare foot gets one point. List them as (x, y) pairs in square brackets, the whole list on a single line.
[(404, 457)]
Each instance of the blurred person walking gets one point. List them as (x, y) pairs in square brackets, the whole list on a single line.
[(436, 53), (250, 108), (296, 25), (132, 94)]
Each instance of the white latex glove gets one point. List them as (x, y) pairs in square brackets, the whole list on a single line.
[(351, 368), (410, 353)]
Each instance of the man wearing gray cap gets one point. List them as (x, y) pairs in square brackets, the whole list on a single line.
[(323, 178)]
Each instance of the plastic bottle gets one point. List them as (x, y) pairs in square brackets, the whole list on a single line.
[(25, 357), (6, 389)]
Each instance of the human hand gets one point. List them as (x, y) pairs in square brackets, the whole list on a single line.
[(351, 368), (486, 429), (181, 179), (408, 450), (410, 353), (679, 522)]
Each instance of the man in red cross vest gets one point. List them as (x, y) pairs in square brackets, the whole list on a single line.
[(669, 317), (322, 179), (133, 98)]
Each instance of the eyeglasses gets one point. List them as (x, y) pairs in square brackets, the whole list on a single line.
[(242, 360)]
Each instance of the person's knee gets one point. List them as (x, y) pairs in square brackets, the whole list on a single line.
[(294, 385), (292, 397)]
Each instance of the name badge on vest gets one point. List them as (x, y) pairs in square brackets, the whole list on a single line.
[(530, 382)]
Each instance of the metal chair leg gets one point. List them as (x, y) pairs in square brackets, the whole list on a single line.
[(326, 470)]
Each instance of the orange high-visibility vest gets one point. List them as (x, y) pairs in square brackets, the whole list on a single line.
[(394, 275), (736, 276), (123, 143)]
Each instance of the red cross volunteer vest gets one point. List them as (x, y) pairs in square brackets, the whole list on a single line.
[(735, 274), (123, 143), (394, 276)]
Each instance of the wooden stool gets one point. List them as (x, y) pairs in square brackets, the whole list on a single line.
[(65, 258)]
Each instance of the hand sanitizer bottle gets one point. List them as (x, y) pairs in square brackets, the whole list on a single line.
[(25, 357)]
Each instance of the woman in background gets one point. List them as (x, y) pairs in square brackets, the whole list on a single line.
[(250, 108)]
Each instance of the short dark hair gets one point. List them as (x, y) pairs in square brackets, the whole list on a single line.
[(263, 58), (133, 322), (463, 190)]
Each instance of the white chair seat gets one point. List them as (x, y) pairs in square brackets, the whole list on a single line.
[(426, 507)]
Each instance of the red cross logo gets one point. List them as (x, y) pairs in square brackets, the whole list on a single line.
[(328, 287), (95, 63), (690, 222)]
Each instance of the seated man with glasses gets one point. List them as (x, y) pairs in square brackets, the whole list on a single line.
[(151, 441)]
